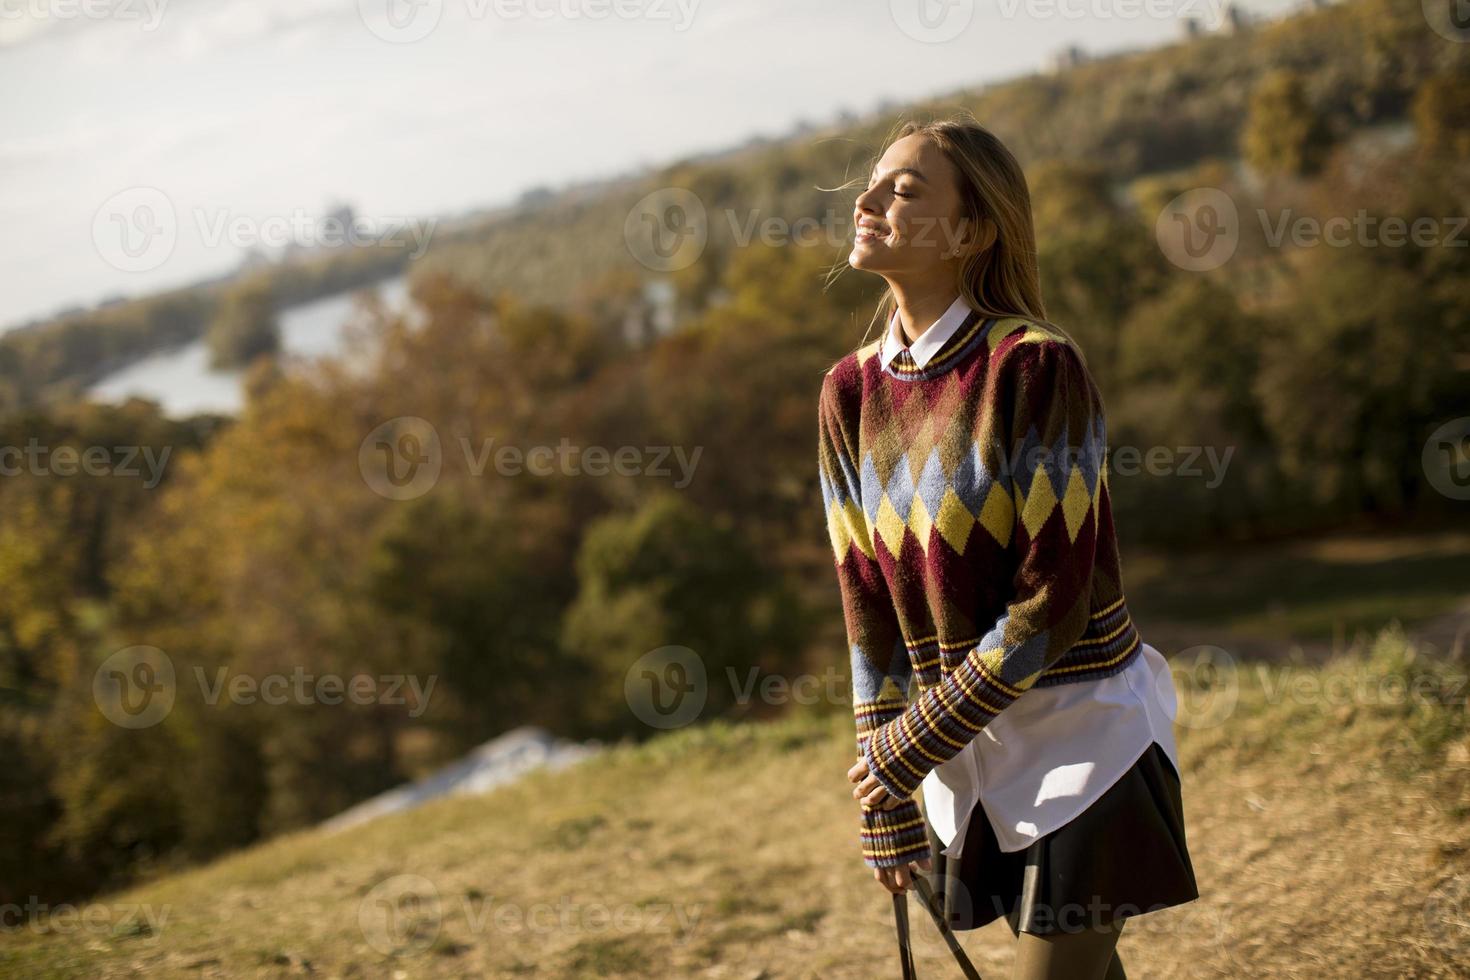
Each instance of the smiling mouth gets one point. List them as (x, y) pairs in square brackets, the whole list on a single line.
[(868, 235)]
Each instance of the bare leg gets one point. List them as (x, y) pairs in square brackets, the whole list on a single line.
[(1087, 955)]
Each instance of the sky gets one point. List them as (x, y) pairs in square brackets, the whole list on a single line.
[(146, 144)]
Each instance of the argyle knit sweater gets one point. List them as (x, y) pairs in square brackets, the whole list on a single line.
[(967, 505)]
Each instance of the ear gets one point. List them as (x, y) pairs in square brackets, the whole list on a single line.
[(976, 236), (986, 234)]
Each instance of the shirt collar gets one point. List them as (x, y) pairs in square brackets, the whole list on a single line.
[(930, 341)]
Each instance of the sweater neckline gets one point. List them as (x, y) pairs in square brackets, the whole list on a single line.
[(961, 343)]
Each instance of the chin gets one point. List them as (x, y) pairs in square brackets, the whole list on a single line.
[(861, 259)]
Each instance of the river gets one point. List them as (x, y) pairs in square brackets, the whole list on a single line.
[(182, 382)]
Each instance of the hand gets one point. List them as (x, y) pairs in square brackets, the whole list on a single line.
[(871, 792), (868, 789), (901, 877)]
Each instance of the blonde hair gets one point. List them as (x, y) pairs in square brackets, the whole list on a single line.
[(1002, 280)]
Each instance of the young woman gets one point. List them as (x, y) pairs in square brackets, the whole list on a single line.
[(963, 466)]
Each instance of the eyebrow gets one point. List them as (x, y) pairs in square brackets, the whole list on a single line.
[(898, 171)]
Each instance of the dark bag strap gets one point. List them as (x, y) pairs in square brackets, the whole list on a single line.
[(926, 895), (901, 920), (905, 951)]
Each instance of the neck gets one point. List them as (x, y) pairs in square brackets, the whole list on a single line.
[(919, 306)]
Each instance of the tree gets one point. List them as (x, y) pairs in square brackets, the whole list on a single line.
[(245, 326), (668, 575), (1442, 116), (1284, 134)]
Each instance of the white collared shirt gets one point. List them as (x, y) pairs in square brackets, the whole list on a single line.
[(1052, 752), (930, 340)]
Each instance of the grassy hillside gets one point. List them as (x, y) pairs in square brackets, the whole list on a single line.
[(1331, 836)]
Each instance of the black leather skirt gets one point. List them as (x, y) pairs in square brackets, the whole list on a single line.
[(1124, 855)]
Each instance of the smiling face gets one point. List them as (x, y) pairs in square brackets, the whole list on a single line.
[(909, 220)]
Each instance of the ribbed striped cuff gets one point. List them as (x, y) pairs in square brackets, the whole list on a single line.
[(947, 718), (894, 837)]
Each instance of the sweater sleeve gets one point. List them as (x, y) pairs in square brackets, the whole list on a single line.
[(1053, 434), (879, 660)]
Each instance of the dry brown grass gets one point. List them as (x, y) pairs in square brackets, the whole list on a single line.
[(1330, 841)]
